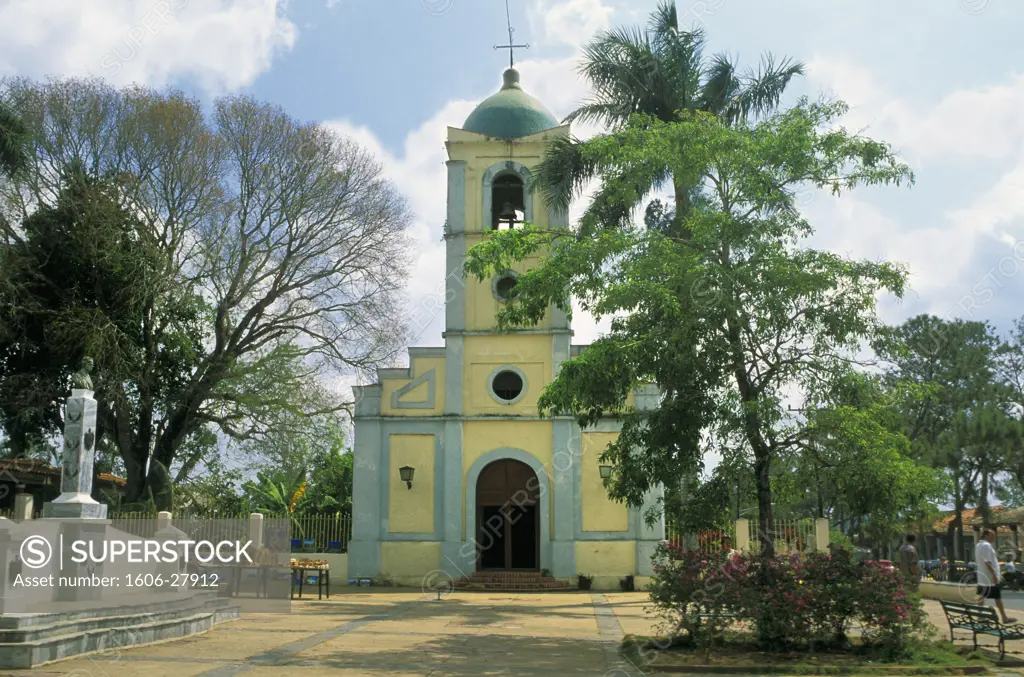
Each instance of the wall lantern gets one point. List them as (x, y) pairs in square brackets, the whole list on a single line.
[(406, 473), (606, 471)]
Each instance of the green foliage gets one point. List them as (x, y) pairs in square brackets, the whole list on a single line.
[(85, 277), (330, 487), (13, 155), (211, 489), (725, 320), (856, 460), (277, 491)]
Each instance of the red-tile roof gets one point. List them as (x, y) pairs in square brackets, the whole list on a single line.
[(30, 465), (998, 515)]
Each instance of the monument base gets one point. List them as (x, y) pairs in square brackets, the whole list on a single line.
[(74, 505)]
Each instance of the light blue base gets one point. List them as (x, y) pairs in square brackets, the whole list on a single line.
[(563, 555), (644, 552), (363, 559), (458, 558)]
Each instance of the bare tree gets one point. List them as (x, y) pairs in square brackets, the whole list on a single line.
[(286, 236)]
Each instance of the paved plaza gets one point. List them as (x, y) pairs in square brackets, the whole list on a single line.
[(396, 633), (404, 633)]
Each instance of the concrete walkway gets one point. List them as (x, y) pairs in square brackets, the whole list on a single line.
[(396, 633)]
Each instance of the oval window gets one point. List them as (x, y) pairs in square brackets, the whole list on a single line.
[(507, 385), (503, 287)]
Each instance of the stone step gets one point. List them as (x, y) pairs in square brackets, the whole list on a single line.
[(511, 581), (506, 588), (522, 579), (13, 621), (106, 633), (61, 626), (536, 584)]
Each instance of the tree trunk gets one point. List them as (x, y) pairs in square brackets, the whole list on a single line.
[(762, 475), (986, 514), (683, 208), (821, 503)]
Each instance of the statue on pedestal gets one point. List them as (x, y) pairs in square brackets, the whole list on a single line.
[(81, 380), (79, 452)]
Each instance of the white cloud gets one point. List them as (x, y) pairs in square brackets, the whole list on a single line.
[(966, 129), (999, 210), (571, 22), (221, 44), (981, 123)]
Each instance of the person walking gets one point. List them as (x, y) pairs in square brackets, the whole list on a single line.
[(987, 567), (909, 566)]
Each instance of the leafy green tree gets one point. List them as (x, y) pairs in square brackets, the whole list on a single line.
[(313, 448), (213, 489), (658, 72), (958, 416), (715, 501), (1010, 368), (330, 484), (727, 320), (278, 492), (855, 462)]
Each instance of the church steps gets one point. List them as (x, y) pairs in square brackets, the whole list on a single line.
[(509, 581)]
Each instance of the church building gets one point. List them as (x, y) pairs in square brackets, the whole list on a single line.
[(455, 471)]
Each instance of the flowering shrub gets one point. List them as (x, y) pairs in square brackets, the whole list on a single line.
[(838, 581), (695, 591), (787, 600), (776, 599), (888, 612)]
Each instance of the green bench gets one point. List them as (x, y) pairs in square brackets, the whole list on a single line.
[(980, 620)]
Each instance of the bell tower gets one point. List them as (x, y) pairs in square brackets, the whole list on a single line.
[(492, 158)]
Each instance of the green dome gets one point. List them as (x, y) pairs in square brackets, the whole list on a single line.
[(510, 113)]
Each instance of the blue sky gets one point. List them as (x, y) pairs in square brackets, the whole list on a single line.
[(942, 80)]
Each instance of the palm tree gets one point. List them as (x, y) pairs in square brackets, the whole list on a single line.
[(659, 72), (12, 142)]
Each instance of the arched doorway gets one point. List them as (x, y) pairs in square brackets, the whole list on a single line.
[(507, 517)]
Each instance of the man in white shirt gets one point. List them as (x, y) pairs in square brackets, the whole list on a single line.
[(987, 567)]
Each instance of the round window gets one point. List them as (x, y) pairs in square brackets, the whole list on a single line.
[(503, 285), (507, 385)]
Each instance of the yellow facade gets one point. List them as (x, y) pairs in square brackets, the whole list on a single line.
[(407, 562), (420, 366), (600, 513), (606, 561), (483, 354), (411, 510)]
